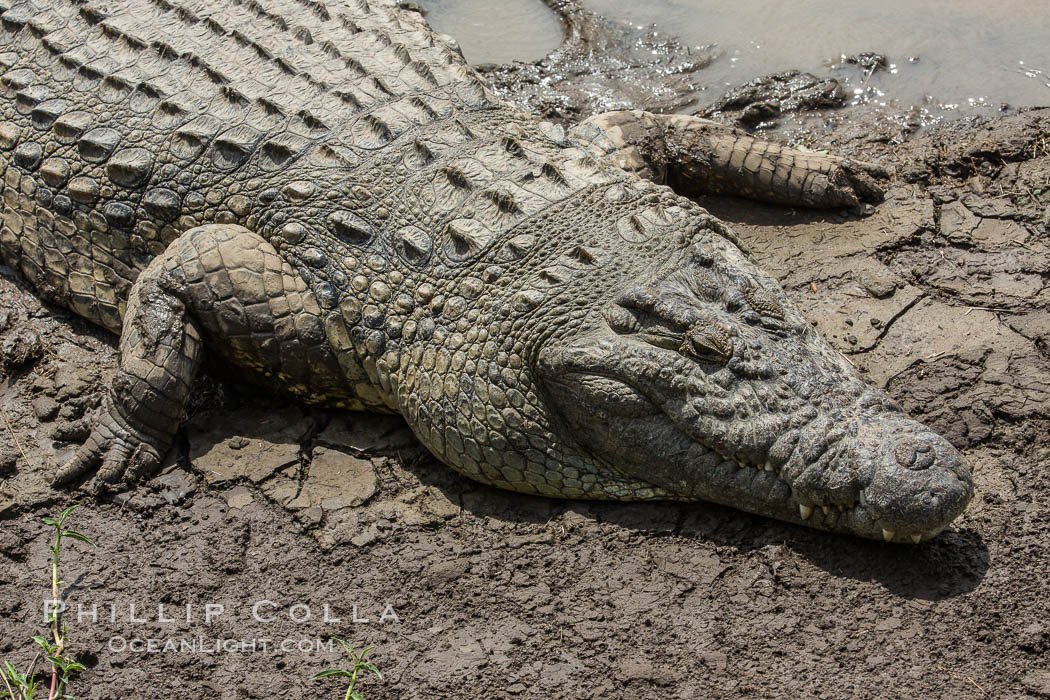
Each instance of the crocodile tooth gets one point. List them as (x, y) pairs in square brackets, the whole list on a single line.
[(826, 509), (887, 535), (805, 511), (916, 539), (768, 466)]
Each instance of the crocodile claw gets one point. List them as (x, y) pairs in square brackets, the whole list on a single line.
[(125, 455)]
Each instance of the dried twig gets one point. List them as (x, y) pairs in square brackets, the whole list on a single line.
[(14, 437), (957, 676), (989, 308)]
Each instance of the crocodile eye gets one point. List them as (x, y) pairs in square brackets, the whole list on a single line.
[(621, 320), (707, 342)]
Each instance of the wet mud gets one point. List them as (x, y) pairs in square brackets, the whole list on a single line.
[(940, 295)]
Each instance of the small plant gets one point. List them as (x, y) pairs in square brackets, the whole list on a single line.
[(24, 686), (359, 665)]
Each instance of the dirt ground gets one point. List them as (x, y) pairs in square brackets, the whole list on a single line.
[(274, 512)]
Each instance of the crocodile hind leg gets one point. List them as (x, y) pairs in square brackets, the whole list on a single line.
[(699, 156), (222, 286)]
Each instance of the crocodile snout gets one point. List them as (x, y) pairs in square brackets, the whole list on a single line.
[(919, 481)]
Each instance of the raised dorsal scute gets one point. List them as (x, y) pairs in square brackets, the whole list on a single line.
[(503, 200), (413, 244), (517, 247), (72, 125), (466, 238), (333, 156), (234, 146), (162, 203), (418, 155), (130, 167), (97, 145), (350, 227)]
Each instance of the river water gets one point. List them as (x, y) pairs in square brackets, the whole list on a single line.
[(944, 54)]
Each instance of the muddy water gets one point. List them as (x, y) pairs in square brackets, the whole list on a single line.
[(944, 54), (497, 31)]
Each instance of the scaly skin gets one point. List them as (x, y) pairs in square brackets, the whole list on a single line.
[(332, 200)]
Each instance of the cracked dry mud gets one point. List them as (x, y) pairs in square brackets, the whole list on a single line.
[(940, 296)]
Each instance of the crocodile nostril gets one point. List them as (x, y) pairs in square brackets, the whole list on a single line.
[(911, 454), (905, 454), (924, 456)]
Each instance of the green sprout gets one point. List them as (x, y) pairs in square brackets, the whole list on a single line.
[(23, 686), (359, 665)]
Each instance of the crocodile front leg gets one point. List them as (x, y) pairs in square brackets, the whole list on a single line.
[(225, 287), (695, 156)]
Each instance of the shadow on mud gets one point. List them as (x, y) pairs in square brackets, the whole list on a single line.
[(952, 564), (736, 210)]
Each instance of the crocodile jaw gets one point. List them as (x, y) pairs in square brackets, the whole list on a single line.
[(881, 475)]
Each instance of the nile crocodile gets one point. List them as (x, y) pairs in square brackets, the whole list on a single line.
[(328, 197)]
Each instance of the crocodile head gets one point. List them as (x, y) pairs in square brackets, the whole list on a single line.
[(706, 382)]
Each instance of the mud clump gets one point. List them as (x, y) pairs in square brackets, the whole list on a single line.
[(764, 99), (19, 349), (603, 65), (868, 60)]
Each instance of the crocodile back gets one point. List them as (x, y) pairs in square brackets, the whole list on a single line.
[(124, 124)]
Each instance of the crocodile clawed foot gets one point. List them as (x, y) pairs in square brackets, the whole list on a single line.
[(120, 454), (862, 178)]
